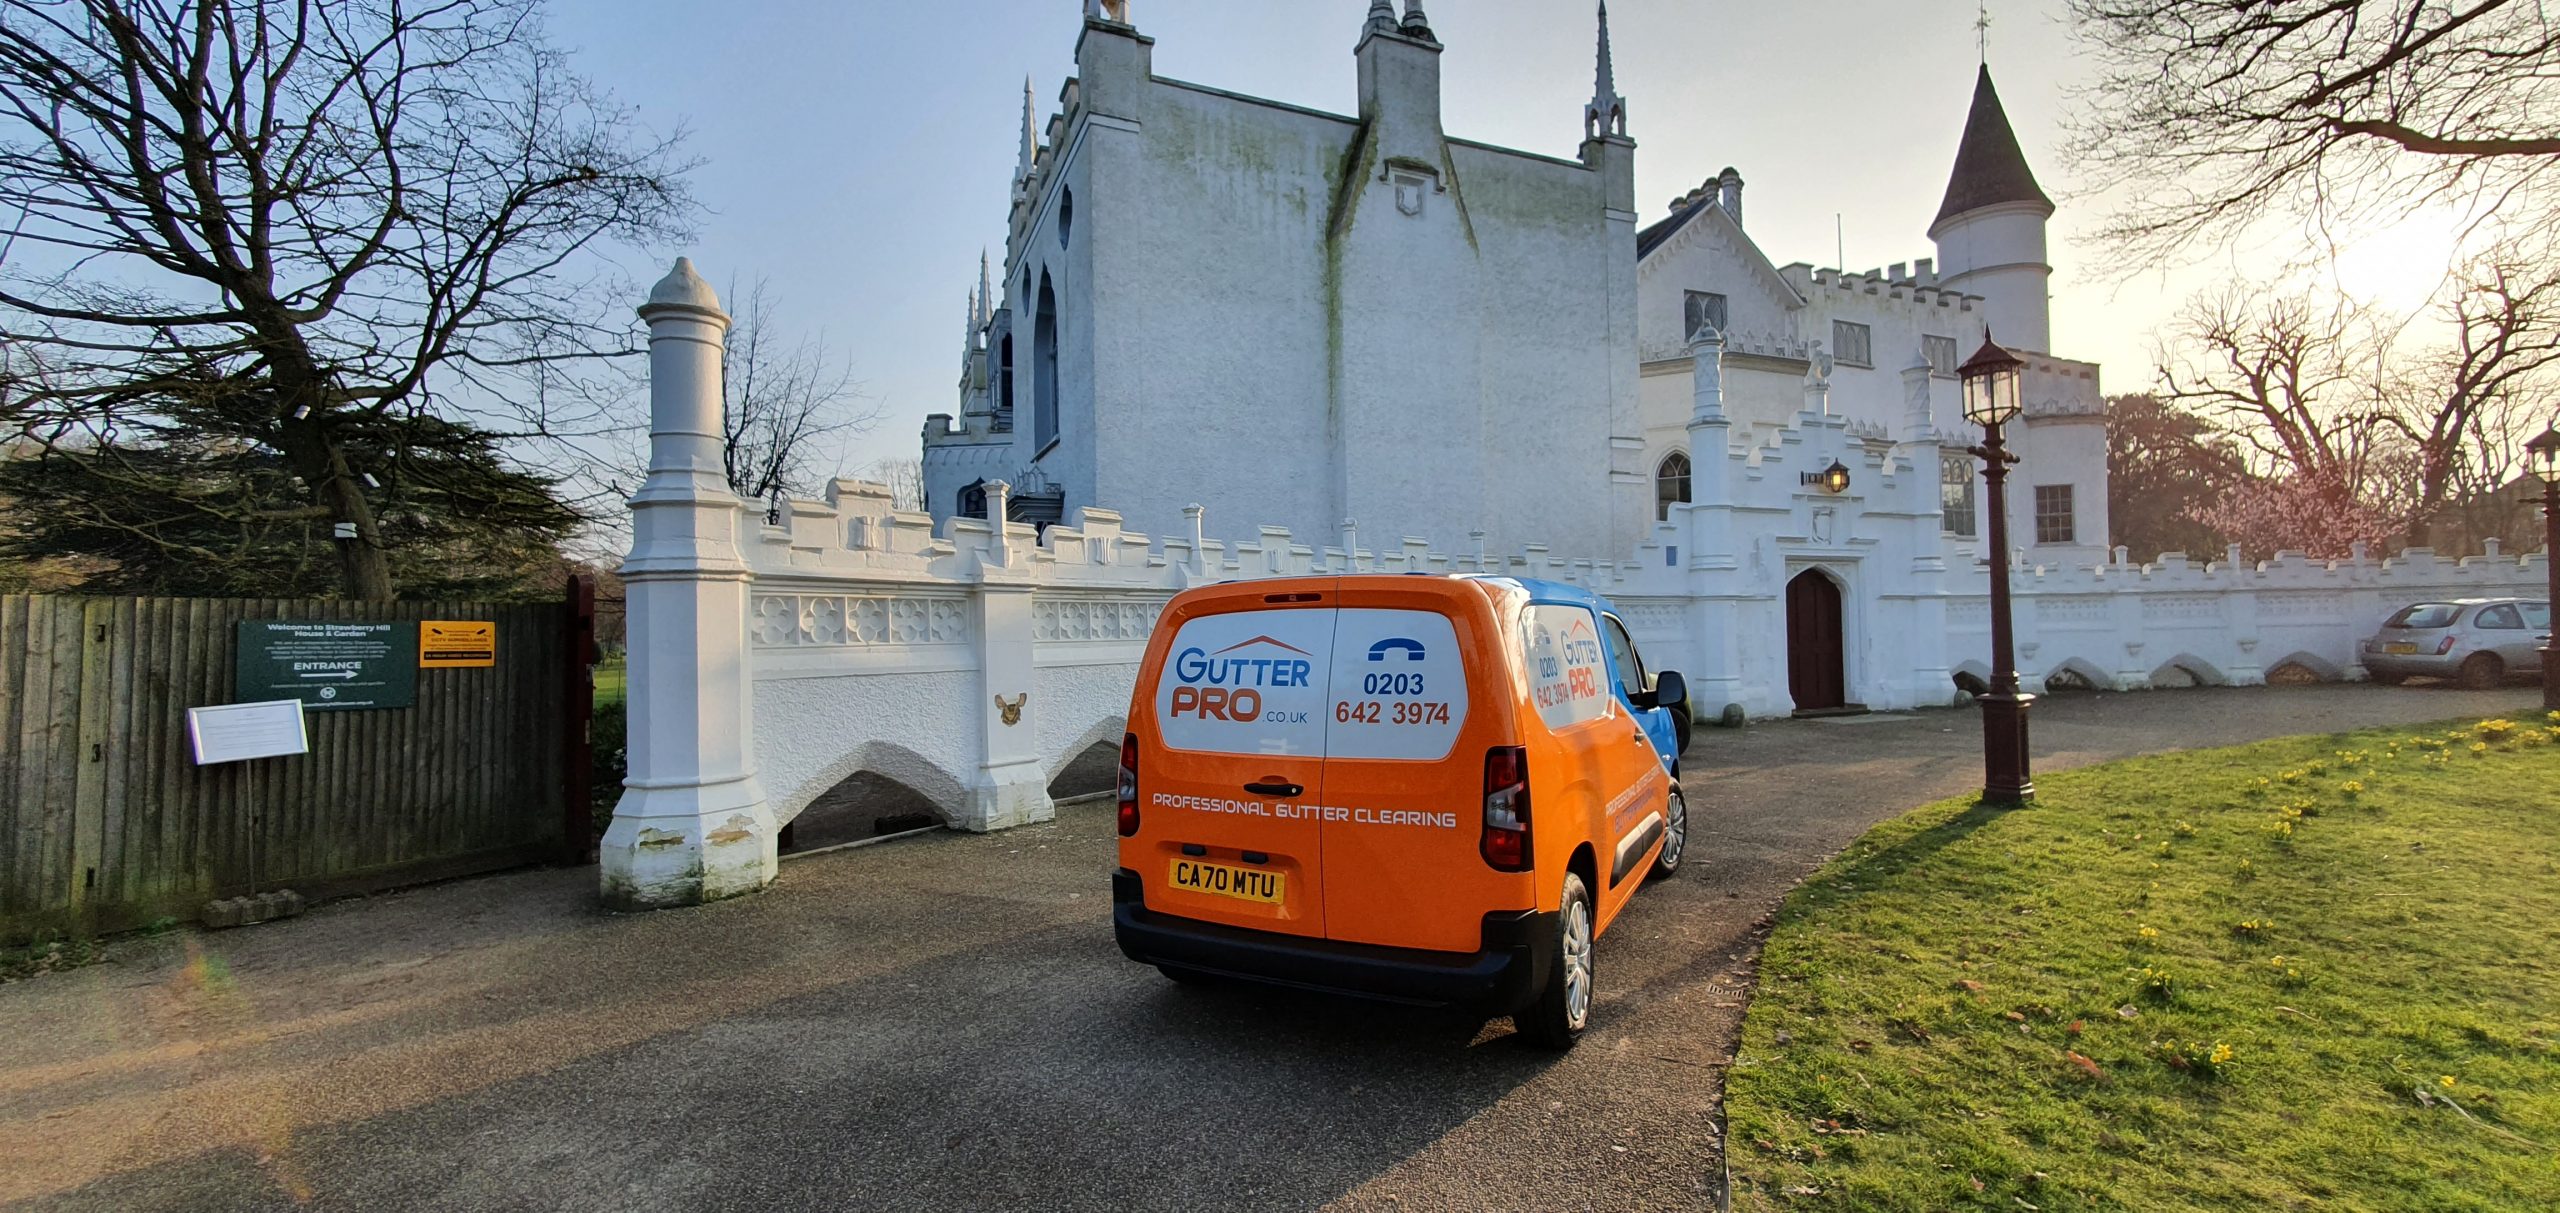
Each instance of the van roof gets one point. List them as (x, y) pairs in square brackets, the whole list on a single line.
[(1538, 589)]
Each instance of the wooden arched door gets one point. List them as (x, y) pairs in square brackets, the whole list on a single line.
[(1816, 672)]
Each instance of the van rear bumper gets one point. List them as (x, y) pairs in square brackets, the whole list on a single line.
[(1517, 958)]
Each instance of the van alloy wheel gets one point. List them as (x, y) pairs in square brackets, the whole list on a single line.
[(1675, 835), (1577, 965), (1556, 1017)]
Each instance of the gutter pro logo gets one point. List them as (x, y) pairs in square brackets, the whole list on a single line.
[(1228, 684)]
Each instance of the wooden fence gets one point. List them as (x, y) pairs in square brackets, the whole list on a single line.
[(106, 822)]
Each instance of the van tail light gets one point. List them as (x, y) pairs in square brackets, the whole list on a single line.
[(2444, 646), (1128, 784), (1506, 808)]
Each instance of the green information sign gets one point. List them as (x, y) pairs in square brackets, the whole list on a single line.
[(327, 665)]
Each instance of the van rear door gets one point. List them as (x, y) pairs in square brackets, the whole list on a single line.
[(1228, 793), (1417, 697)]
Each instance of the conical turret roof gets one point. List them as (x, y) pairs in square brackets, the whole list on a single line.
[(1990, 168)]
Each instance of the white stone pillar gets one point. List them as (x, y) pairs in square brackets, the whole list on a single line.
[(1010, 787), (1715, 681), (692, 825)]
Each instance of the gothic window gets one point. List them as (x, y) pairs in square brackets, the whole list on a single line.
[(1941, 353), (1670, 484), (1044, 369), (1955, 495), (1850, 343), (2053, 514), (1702, 308), (973, 500), (1004, 381), (1066, 215)]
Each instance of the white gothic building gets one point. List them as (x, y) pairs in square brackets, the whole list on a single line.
[(1308, 319), (1361, 329)]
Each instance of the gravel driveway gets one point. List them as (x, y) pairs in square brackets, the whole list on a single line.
[(943, 1023)]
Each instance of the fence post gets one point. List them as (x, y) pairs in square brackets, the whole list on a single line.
[(693, 824), (577, 723)]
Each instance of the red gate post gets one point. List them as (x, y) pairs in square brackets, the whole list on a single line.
[(577, 719)]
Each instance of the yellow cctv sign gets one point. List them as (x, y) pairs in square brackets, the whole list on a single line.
[(457, 644)]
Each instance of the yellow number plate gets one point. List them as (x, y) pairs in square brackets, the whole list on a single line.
[(1218, 879), (2399, 646)]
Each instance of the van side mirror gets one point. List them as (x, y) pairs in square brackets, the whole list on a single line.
[(1669, 690)]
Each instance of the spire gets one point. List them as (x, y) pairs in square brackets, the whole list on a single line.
[(986, 300), (1030, 139), (1382, 18), (1607, 113), (1415, 24), (1990, 167)]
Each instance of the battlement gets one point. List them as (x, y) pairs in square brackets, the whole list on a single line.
[(1916, 290)]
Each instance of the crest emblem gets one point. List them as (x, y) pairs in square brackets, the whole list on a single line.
[(1012, 712)]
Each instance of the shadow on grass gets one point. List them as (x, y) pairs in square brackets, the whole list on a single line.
[(1866, 870)]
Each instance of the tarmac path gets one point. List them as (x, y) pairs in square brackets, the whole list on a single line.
[(943, 1023)]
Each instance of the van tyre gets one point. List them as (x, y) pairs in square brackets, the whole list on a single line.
[(1675, 835), (2484, 672), (1556, 1018)]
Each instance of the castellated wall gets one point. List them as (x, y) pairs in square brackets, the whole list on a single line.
[(878, 645)]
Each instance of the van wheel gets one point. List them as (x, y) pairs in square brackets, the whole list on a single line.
[(1675, 836), (2484, 672), (1561, 1011)]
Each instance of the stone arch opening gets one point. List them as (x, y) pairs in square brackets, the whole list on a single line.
[(879, 789), (2301, 668), (2188, 670), (1973, 678), (2075, 674), (1090, 764)]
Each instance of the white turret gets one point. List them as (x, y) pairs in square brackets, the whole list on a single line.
[(1990, 230)]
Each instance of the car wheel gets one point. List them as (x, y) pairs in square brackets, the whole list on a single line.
[(1675, 835), (1556, 1019), (2484, 672), (2390, 680)]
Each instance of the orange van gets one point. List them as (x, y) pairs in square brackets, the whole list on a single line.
[(1428, 789)]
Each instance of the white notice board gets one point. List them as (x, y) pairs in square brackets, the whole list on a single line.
[(238, 731)]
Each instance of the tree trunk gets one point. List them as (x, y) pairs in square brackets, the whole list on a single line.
[(364, 567)]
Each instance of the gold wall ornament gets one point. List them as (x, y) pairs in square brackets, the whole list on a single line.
[(1012, 712)]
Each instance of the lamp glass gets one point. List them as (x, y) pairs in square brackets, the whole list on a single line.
[(2544, 453), (1836, 477), (1991, 396)]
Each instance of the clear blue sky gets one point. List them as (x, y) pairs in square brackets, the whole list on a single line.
[(859, 153)]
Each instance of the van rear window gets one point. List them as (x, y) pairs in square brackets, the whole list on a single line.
[(1314, 681)]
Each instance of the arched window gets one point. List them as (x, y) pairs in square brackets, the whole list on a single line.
[(1004, 380), (1066, 215), (1670, 484), (1044, 369), (973, 500)]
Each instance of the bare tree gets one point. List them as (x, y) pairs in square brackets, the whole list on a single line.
[(2292, 379), (904, 475), (2213, 114), (2464, 410), (789, 404), (329, 229)]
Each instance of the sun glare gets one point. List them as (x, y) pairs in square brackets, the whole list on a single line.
[(2399, 267)]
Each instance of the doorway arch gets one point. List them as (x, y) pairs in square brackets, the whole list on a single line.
[(1817, 667)]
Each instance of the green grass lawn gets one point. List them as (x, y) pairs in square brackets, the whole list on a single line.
[(613, 681), (2322, 972)]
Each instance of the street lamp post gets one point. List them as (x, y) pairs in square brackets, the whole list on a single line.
[(1991, 401), (2544, 454)]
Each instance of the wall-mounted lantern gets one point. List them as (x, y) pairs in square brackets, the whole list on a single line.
[(1833, 480)]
